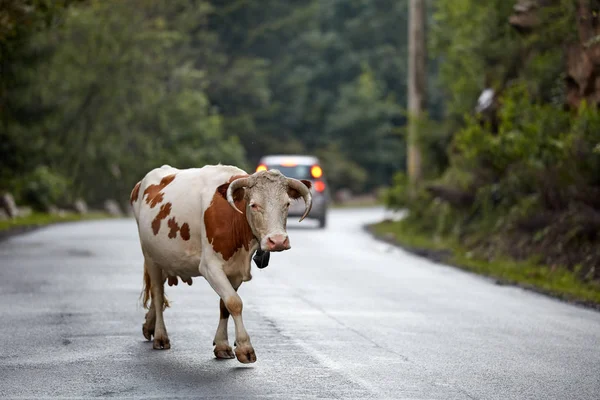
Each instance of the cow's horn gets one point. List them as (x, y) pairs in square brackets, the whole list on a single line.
[(233, 186), (305, 192)]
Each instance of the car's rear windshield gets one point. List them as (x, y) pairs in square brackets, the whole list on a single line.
[(296, 172)]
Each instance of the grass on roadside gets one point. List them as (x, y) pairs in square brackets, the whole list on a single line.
[(555, 281), (41, 219)]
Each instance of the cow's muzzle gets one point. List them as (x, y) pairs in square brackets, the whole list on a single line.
[(277, 242)]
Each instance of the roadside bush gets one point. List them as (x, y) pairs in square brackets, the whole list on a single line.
[(397, 196), (531, 186), (43, 188)]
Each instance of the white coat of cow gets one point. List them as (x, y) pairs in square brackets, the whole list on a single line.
[(208, 222)]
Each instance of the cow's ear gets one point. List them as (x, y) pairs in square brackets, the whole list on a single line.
[(294, 194), (307, 183), (238, 195)]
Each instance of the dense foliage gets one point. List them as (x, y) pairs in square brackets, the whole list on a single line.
[(94, 93), (526, 180)]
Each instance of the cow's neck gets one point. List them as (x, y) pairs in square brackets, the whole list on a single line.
[(242, 231), (226, 229)]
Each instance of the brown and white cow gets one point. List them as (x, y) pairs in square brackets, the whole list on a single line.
[(208, 222)]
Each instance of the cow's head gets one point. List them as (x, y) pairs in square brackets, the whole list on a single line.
[(268, 195)]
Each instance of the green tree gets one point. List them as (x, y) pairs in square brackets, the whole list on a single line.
[(125, 96)]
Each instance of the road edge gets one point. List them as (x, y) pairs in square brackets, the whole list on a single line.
[(442, 257), (19, 230)]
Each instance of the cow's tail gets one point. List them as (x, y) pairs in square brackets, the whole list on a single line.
[(146, 288), (145, 295)]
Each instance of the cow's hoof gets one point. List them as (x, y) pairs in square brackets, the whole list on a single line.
[(245, 354), (224, 352), (161, 343), (148, 332)]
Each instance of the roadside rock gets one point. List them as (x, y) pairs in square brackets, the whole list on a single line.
[(113, 208), (8, 205), (54, 210), (80, 206), (582, 56)]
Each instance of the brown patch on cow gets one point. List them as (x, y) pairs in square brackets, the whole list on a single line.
[(163, 213), (238, 195), (135, 193), (185, 232), (174, 228), (154, 192), (226, 229), (234, 305), (224, 310), (156, 200)]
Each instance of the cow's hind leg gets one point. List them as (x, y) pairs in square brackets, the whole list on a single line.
[(150, 318), (148, 326), (221, 342), (157, 291)]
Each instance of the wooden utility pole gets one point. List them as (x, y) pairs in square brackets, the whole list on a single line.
[(417, 79)]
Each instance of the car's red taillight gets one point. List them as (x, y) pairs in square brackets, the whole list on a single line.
[(320, 186)]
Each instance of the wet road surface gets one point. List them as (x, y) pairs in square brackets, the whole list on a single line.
[(339, 316)]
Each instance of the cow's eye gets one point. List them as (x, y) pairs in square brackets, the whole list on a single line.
[(254, 206)]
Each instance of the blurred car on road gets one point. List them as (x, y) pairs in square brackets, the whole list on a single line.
[(302, 167)]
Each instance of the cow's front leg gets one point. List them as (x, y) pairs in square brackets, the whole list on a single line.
[(221, 342), (215, 276)]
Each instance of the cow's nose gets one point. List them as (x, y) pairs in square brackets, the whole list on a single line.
[(278, 242)]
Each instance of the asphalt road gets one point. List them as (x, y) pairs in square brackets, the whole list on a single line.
[(339, 316)]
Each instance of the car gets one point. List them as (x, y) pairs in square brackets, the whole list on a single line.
[(302, 167)]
